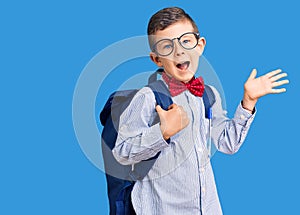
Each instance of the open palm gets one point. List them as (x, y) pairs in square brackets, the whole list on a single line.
[(256, 87)]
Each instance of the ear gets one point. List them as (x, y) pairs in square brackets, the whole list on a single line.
[(201, 45), (155, 59)]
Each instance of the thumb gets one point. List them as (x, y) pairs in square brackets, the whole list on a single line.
[(159, 109), (253, 74)]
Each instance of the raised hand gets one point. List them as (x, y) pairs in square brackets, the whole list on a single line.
[(173, 120), (256, 87)]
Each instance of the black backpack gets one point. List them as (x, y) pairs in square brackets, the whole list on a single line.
[(121, 178)]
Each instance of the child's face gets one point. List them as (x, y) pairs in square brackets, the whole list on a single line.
[(181, 63)]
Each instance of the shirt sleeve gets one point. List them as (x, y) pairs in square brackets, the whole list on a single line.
[(137, 139), (229, 134)]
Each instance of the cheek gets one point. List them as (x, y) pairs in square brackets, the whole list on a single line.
[(194, 65), (195, 59), (198, 50), (196, 62), (167, 61)]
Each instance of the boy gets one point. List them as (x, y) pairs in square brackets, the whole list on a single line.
[(181, 180)]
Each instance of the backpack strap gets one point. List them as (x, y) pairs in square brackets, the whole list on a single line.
[(208, 100), (161, 93), (124, 199), (153, 77)]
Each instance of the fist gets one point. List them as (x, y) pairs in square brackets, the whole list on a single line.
[(172, 120)]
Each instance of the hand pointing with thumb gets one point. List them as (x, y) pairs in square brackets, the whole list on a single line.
[(173, 120)]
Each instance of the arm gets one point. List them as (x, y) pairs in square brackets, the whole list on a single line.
[(228, 135), (137, 139)]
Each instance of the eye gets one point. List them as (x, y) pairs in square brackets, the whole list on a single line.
[(168, 46), (186, 41)]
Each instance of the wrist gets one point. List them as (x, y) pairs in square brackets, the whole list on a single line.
[(248, 103)]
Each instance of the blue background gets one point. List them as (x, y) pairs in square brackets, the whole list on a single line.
[(44, 48)]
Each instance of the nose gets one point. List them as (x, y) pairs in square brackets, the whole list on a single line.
[(178, 49)]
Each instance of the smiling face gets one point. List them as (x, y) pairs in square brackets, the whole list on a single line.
[(182, 63)]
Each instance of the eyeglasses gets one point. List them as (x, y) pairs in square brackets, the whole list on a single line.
[(187, 41)]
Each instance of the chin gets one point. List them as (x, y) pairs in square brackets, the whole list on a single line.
[(186, 76)]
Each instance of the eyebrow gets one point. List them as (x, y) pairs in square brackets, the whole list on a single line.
[(172, 38)]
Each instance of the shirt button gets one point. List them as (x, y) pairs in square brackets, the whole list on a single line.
[(202, 169), (203, 190), (242, 116)]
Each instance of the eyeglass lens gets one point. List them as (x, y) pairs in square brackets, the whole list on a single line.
[(165, 46)]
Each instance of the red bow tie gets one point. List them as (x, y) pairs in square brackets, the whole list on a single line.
[(195, 85)]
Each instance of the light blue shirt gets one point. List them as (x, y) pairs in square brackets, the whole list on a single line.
[(181, 180)]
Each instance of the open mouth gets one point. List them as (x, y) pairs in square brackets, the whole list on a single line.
[(183, 66)]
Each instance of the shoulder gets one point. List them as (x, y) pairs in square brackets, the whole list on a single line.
[(210, 89), (219, 104), (215, 95), (144, 98), (146, 93), (141, 106)]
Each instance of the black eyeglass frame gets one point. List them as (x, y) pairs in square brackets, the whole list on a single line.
[(196, 34)]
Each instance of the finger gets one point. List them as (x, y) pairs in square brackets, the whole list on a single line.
[(180, 109), (279, 83), (276, 91), (158, 109), (172, 106), (279, 76), (275, 72), (253, 74)]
